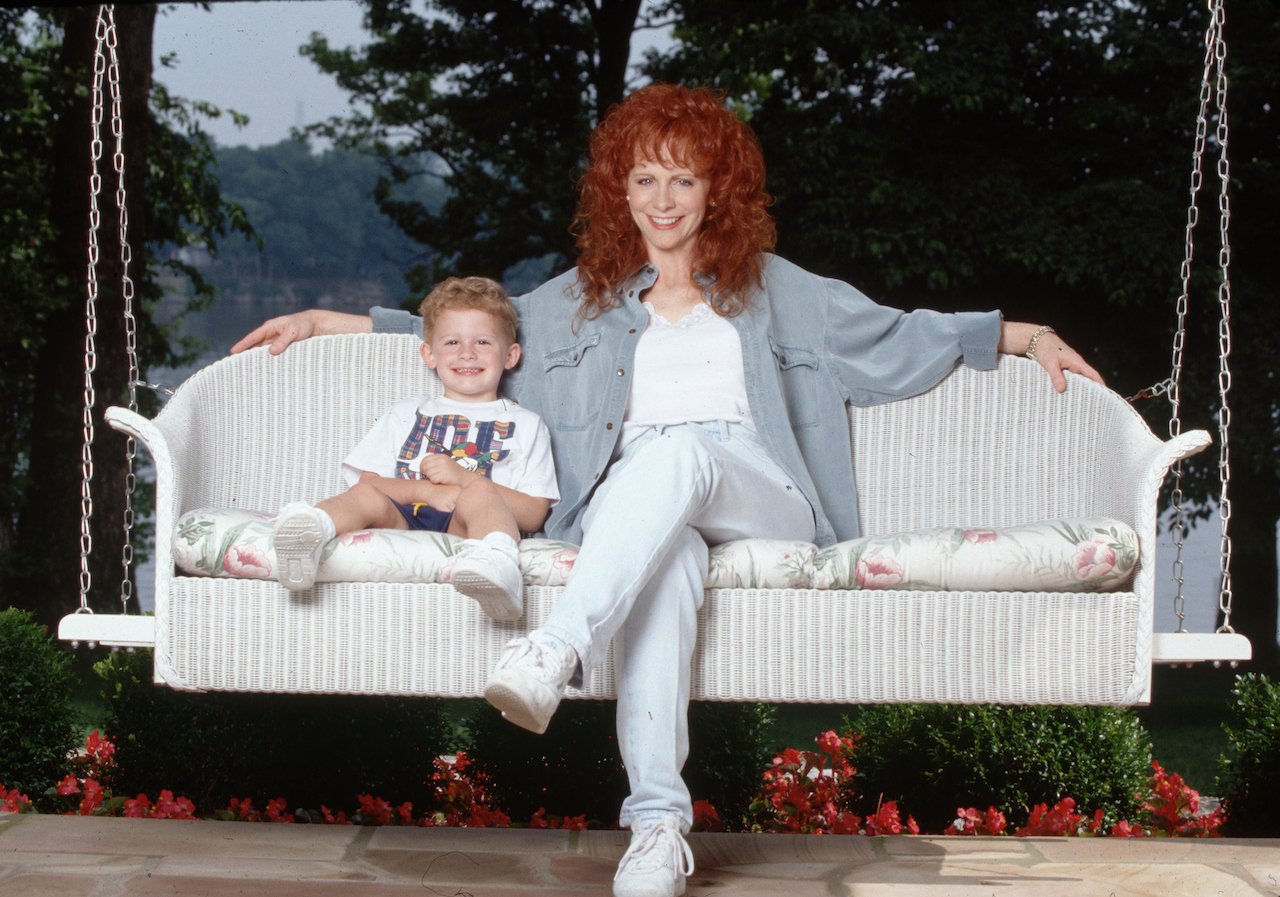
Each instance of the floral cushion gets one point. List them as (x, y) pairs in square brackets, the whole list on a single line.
[(1084, 555), (1055, 555), (236, 543)]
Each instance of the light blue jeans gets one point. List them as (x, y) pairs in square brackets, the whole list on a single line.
[(670, 493)]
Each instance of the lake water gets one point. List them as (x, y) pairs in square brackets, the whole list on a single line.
[(227, 321)]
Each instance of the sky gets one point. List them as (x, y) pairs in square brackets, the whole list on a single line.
[(244, 56)]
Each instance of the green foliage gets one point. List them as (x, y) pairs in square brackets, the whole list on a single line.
[(309, 749), (1251, 766), (493, 100), (37, 720), (933, 758), (574, 767), (316, 222)]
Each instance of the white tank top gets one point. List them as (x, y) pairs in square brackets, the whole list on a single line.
[(686, 371)]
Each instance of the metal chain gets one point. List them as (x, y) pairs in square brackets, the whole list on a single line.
[(130, 322), (104, 24), (1224, 321), (1173, 386), (106, 62)]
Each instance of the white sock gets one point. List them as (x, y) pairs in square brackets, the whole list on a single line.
[(327, 524), (502, 542)]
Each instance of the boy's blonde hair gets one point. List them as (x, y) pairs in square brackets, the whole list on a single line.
[(469, 292)]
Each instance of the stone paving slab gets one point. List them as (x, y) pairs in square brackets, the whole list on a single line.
[(104, 857)]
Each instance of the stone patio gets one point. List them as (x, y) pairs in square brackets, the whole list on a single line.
[(104, 857)]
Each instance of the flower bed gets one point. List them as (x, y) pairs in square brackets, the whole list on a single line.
[(802, 791)]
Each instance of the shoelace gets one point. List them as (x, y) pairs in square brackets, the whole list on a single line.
[(649, 849), (540, 657)]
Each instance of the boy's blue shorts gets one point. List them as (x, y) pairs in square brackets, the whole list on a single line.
[(421, 515)]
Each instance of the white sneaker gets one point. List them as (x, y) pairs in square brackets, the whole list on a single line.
[(298, 537), (657, 862), (529, 681), (493, 579)]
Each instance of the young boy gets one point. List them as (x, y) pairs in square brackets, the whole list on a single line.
[(467, 463)]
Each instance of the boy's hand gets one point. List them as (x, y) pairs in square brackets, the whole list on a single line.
[(443, 469), (442, 497)]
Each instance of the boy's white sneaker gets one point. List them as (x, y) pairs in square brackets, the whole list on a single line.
[(493, 579), (657, 862), (529, 681), (298, 537)]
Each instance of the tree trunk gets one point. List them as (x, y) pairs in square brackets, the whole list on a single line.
[(615, 21), (48, 570)]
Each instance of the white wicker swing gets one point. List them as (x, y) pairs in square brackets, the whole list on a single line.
[(253, 430)]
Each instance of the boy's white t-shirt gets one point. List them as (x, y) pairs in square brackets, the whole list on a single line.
[(507, 443)]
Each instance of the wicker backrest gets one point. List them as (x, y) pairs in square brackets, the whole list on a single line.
[(992, 448), (258, 430), (995, 448)]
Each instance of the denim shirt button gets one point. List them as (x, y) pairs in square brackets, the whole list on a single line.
[(622, 372), (609, 426)]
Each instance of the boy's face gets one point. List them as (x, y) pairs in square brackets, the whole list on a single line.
[(469, 352)]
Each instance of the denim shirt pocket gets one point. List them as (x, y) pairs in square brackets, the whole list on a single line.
[(798, 374), (570, 378)]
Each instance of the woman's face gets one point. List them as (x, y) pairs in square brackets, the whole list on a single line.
[(668, 203)]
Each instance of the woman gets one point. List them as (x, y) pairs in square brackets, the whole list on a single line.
[(694, 386)]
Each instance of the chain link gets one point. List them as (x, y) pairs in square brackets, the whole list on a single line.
[(1224, 321), (1173, 386), (101, 29), (130, 322), (1213, 88), (106, 64)]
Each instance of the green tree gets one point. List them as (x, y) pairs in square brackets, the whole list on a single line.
[(1031, 157), (493, 99), (320, 229), (173, 201)]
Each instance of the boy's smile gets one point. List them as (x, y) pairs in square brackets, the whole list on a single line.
[(469, 353)]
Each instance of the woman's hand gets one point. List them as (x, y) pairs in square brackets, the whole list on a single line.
[(1052, 352), (277, 333)]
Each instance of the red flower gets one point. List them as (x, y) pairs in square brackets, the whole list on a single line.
[(331, 819), (91, 799), (138, 807), (706, 818), (374, 810), (68, 786), (278, 811)]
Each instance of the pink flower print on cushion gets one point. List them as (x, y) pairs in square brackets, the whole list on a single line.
[(877, 572), (356, 537), (1095, 559), (246, 562), (980, 536), (563, 561)]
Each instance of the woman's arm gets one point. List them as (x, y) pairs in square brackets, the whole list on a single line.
[(277, 333), (1052, 353)]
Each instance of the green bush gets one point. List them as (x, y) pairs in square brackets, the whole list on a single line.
[(574, 768), (934, 758), (37, 720), (1250, 777), (312, 750)]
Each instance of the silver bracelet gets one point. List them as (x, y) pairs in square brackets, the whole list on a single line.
[(1035, 340)]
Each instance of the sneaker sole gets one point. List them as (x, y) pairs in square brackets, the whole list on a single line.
[(492, 598), (514, 710), (296, 540)]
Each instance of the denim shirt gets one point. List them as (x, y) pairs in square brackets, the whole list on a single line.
[(809, 346)]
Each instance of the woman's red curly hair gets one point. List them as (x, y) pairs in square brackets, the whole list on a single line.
[(693, 126)]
